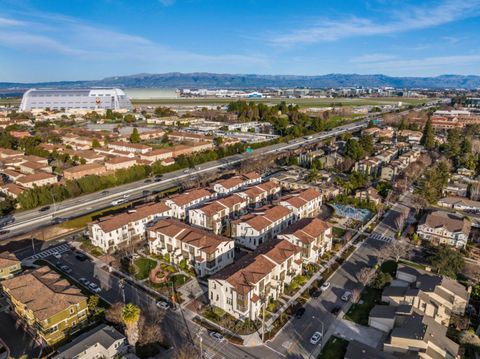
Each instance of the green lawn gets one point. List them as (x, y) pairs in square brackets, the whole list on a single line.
[(334, 349), (389, 267), (87, 246), (144, 266), (358, 313)]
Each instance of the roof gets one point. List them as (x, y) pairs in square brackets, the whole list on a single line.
[(35, 177), (357, 350), (307, 229), (44, 292), (138, 146), (231, 182), (244, 273), (82, 168), (264, 217), (117, 160), (450, 221), (103, 335), (204, 240), (8, 259), (383, 311), (188, 197), (111, 223), (13, 188)]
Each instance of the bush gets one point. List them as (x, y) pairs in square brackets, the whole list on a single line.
[(381, 280)]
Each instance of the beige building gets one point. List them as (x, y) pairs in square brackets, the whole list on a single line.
[(9, 265), (303, 204), (37, 179), (118, 163), (80, 171)]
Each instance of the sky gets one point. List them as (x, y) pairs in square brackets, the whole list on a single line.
[(53, 40)]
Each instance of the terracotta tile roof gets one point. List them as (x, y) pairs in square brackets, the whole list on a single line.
[(8, 259), (252, 175), (13, 188), (138, 146), (254, 192), (188, 197), (8, 152), (307, 229), (212, 208), (33, 158), (157, 152), (231, 182), (258, 223), (87, 167), (44, 292), (111, 223), (268, 186), (35, 177), (276, 212), (33, 165), (309, 194), (204, 240), (231, 201), (118, 160), (244, 273)]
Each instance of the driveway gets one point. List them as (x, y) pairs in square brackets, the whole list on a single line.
[(349, 330)]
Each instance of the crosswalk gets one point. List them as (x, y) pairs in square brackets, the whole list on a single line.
[(379, 237), (62, 248)]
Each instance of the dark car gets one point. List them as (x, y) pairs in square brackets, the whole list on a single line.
[(335, 310), (146, 192), (315, 293), (105, 192), (81, 257), (147, 181), (299, 313), (43, 209), (158, 178)]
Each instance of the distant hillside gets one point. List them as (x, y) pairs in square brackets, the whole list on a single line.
[(210, 80)]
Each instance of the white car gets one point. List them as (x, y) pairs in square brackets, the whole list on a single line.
[(216, 336), (163, 305), (316, 337), (84, 281), (95, 288), (347, 296), (57, 255), (325, 286)]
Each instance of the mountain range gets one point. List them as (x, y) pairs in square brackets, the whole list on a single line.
[(252, 81)]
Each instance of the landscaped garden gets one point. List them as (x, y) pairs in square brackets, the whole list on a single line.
[(225, 320), (143, 266)]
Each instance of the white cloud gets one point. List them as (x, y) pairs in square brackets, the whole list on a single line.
[(10, 22), (372, 58), (408, 19)]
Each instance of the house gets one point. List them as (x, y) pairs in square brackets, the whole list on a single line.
[(239, 288), (203, 251), (103, 341), (260, 194), (76, 172), (456, 188), (460, 204), (136, 148), (312, 235), (112, 232), (118, 163), (303, 204), (236, 183), (181, 203), (37, 179), (48, 306), (11, 189), (261, 226), (29, 167), (157, 155), (442, 227), (357, 350), (429, 294), (152, 134), (8, 153), (370, 195), (215, 215), (369, 166), (410, 136), (9, 265)]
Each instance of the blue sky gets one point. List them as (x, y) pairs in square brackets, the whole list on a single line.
[(50, 40)]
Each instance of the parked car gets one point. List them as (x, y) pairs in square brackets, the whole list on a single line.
[(148, 180), (163, 305), (336, 310), (299, 313), (316, 337), (315, 293), (216, 336), (325, 286), (81, 257), (105, 192), (95, 288), (84, 281), (66, 269), (57, 255), (347, 296)]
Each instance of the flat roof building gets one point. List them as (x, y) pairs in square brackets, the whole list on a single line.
[(75, 99)]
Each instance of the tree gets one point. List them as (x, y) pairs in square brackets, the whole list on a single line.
[(428, 138), (447, 262), (381, 280), (130, 318), (453, 143), (399, 249), (114, 313), (186, 352), (93, 301), (366, 276), (135, 136), (95, 143), (366, 142), (354, 150)]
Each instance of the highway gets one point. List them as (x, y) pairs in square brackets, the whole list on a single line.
[(30, 220)]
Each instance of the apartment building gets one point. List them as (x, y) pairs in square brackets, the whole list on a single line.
[(236, 183), (216, 215), (8, 153), (432, 295), (11, 189), (187, 136), (303, 204), (48, 306), (203, 251), (76, 172), (179, 150), (115, 231), (261, 226), (118, 163), (441, 227), (369, 166), (37, 179), (260, 194), (135, 148), (30, 167), (312, 235), (181, 203), (239, 288), (157, 155), (370, 194), (9, 265)]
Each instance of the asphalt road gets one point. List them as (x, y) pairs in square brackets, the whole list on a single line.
[(33, 219)]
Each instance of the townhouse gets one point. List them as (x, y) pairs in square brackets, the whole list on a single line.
[(135, 148), (76, 172), (157, 155), (181, 203), (303, 204), (261, 226), (242, 288), (9, 265), (11, 189), (179, 150), (30, 167), (8, 153), (48, 306), (113, 232), (37, 179), (441, 227), (190, 137), (78, 142), (216, 215), (260, 194), (203, 251), (236, 183), (460, 204), (312, 235), (118, 163), (369, 166), (429, 294), (370, 194)]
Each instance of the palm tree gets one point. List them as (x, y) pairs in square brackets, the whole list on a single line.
[(130, 317)]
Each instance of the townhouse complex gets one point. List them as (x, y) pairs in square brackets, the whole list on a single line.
[(442, 227)]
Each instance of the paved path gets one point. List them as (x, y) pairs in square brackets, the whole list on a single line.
[(352, 331)]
